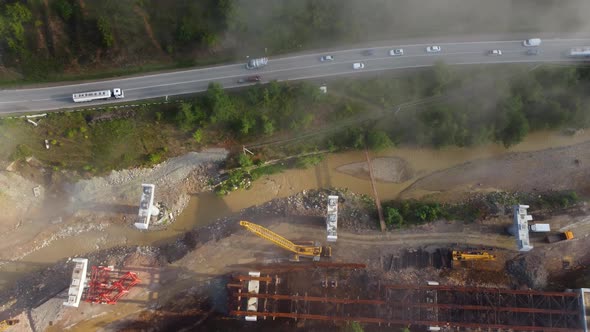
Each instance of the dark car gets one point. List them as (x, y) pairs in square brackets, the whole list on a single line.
[(532, 51), (250, 79), (368, 52)]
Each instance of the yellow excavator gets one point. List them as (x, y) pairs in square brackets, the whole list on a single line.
[(472, 256), (314, 251)]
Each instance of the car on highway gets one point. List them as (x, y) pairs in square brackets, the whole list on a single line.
[(396, 52), (368, 52), (495, 52), (327, 58), (433, 49), (532, 42), (250, 79), (358, 65), (532, 51)]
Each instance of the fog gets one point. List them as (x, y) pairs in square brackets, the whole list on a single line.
[(285, 25)]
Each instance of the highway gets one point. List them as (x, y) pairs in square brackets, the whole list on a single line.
[(305, 66)]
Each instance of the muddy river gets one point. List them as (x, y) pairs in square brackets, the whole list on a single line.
[(334, 171)]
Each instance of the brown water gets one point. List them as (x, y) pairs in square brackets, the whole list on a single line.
[(207, 207)]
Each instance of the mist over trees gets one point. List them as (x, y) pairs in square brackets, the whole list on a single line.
[(448, 106)]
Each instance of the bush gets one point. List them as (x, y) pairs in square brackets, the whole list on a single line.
[(154, 158), (70, 133), (198, 135), (393, 218)]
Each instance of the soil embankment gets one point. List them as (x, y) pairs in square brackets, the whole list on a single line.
[(552, 169)]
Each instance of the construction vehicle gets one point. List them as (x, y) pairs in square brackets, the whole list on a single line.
[(567, 235), (256, 63), (472, 256), (312, 251)]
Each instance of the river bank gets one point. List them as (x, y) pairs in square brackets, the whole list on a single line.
[(102, 212)]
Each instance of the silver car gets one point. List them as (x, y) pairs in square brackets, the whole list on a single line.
[(396, 52), (433, 49)]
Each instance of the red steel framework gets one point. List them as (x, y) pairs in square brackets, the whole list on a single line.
[(101, 290), (443, 306)]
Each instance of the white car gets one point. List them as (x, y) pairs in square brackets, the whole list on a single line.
[(327, 58), (433, 49), (495, 52), (396, 52), (531, 42), (358, 65)]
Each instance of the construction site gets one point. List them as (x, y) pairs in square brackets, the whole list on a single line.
[(346, 292), (318, 260)]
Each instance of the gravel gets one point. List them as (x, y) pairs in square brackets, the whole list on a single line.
[(123, 187)]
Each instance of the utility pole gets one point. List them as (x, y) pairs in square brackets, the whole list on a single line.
[(375, 195)]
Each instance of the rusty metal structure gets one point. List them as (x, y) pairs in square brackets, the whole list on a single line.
[(102, 289), (329, 298)]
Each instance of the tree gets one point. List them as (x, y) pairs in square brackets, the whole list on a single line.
[(221, 107), (185, 117), (393, 217), (514, 130), (378, 140), (104, 26), (245, 161), (427, 212), (268, 127), (64, 9), (12, 30)]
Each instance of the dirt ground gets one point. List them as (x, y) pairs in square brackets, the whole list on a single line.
[(552, 169)]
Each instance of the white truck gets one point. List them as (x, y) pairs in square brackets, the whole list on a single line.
[(97, 95), (540, 228), (580, 52), (256, 63)]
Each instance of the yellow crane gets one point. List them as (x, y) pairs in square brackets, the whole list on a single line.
[(472, 256), (314, 252)]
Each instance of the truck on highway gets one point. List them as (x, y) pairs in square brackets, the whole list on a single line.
[(567, 235), (97, 95), (256, 63), (580, 52)]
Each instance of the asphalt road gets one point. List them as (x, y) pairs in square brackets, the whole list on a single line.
[(297, 67)]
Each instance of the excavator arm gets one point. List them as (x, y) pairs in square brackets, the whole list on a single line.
[(309, 251)]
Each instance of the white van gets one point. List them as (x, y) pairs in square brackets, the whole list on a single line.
[(531, 42)]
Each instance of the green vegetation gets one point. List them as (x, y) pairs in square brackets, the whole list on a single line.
[(402, 213), (44, 37), (469, 106)]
